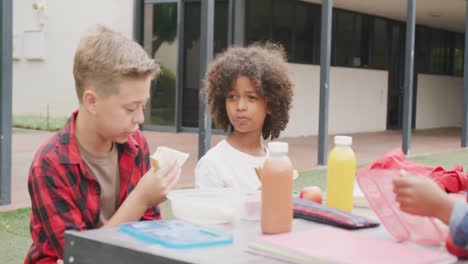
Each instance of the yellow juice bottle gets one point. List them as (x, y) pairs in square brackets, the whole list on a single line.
[(340, 175)]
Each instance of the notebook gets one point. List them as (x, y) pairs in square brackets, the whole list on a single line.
[(175, 233), (322, 214), (332, 245)]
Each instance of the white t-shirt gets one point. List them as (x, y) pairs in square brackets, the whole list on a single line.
[(223, 166)]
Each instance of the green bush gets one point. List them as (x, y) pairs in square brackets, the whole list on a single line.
[(163, 92)]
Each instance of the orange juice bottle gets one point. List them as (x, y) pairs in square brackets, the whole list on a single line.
[(340, 175), (277, 188)]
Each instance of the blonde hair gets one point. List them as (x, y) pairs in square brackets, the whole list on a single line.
[(104, 57)]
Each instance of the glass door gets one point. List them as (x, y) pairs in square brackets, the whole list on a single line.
[(395, 76), (191, 55), (171, 35), (161, 41)]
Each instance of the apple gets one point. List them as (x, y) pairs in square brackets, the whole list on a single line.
[(311, 193)]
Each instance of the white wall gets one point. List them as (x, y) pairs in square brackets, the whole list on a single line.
[(439, 101), (358, 100), (50, 81)]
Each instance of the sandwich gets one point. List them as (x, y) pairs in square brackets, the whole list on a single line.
[(164, 155)]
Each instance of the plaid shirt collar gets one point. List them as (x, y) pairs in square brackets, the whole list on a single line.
[(69, 146)]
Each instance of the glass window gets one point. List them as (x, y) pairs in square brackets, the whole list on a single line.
[(283, 24), (378, 44), (160, 41), (307, 33), (458, 55), (258, 20), (220, 26), (448, 46), (191, 50), (358, 40), (191, 64), (293, 24), (347, 39), (437, 52), (422, 50)]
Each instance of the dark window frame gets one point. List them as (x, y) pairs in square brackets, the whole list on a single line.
[(443, 43)]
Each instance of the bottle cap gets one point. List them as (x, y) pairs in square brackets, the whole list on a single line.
[(343, 140), (278, 147)]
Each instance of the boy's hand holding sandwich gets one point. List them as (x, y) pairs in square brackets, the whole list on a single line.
[(157, 182)]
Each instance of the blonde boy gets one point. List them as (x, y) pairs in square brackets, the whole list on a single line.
[(95, 172)]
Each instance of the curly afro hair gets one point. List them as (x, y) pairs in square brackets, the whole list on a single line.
[(265, 65)]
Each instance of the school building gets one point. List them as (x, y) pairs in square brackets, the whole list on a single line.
[(367, 57), (362, 91), (366, 52)]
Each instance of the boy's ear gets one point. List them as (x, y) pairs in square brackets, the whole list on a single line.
[(90, 100)]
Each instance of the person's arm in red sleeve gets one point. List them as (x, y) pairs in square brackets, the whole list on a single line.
[(54, 210)]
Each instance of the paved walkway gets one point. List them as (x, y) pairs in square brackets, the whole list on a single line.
[(303, 151)]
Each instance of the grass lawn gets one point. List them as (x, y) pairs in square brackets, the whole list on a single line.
[(14, 235), (14, 225), (39, 122)]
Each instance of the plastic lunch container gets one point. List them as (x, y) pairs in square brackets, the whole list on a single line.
[(205, 206), (377, 186), (251, 206)]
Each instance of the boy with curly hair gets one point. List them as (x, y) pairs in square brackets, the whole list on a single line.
[(95, 172), (249, 95)]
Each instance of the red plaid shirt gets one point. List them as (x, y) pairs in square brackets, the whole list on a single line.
[(65, 195)]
